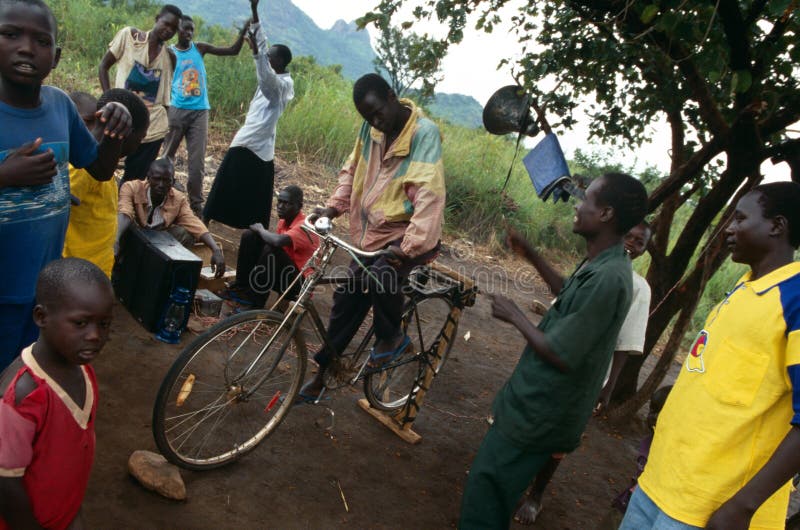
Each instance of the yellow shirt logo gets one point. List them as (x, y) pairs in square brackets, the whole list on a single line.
[(694, 361)]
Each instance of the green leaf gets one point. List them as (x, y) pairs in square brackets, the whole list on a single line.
[(649, 13), (667, 22), (713, 76), (741, 81), (777, 7)]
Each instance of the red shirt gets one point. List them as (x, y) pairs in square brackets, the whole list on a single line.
[(303, 243), (49, 441)]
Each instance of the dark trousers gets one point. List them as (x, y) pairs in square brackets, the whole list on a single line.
[(17, 331), (497, 479), (138, 162), (192, 125), (380, 290), (261, 268)]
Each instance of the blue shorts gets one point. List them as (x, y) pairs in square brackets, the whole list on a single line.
[(643, 514)]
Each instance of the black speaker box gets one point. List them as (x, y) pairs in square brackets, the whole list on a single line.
[(152, 263)]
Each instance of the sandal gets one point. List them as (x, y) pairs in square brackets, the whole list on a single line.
[(235, 295), (307, 399), (379, 360)]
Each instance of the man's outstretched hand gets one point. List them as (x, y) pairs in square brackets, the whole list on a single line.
[(330, 213), (504, 308), (218, 263), (116, 119), (517, 243)]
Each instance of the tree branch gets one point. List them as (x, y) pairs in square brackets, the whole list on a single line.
[(699, 88), (736, 34), (780, 120), (740, 58), (777, 31), (688, 194), (685, 173), (678, 139), (708, 207), (788, 152)]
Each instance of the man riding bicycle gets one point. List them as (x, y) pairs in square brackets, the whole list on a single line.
[(393, 187)]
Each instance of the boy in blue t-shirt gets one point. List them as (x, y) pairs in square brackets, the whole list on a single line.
[(188, 111), (41, 134)]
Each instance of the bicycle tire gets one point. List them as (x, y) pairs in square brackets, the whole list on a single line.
[(215, 418), (388, 390)]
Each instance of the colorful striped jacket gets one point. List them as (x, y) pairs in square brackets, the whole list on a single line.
[(395, 193)]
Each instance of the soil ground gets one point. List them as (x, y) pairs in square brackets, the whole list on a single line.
[(293, 479)]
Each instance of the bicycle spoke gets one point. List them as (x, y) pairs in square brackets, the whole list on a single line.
[(211, 430), (194, 413), (186, 434), (210, 409)]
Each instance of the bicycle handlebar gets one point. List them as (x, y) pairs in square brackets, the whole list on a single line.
[(322, 228)]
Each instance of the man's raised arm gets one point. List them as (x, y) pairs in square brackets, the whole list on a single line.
[(234, 49)]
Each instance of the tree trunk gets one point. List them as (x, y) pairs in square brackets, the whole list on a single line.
[(631, 406), (672, 292)]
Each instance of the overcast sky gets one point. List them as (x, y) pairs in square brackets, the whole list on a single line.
[(470, 68)]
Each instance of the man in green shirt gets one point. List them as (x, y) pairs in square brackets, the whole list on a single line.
[(544, 406)]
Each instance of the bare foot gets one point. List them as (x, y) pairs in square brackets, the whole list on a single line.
[(528, 511)]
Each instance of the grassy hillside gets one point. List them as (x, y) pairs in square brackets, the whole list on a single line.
[(458, 109)]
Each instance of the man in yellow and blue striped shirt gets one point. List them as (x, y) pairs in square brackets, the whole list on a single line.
[(728, 439)]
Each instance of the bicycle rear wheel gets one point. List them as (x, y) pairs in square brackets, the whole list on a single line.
[(227, 390), (423, 321)]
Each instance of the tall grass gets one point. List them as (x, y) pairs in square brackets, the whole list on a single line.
[(321, 123), (85, 28), (476, 165)]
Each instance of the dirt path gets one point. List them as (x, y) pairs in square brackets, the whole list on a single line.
[(292, 480)]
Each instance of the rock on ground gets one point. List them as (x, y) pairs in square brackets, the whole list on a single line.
[(155, 473)]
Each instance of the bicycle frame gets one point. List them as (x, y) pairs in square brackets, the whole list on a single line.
[(318, 263), (257, 359)]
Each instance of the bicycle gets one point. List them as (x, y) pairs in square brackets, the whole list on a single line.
[(233, 385)]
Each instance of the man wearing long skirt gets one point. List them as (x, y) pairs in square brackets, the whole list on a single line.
[(242, 191)]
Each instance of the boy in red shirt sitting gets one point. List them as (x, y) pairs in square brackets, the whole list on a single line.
[(270, 261), (48, 407)]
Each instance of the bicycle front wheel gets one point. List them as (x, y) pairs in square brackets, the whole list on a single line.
[(423, 321), (228, 390)]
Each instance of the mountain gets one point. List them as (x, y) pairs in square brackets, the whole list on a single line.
[(287, 24), (342, 44), (458, 109)]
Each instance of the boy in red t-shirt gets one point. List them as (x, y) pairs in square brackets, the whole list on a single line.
[(49, 401), (270, 261)]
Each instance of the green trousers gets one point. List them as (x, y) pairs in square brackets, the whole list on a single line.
[(497, 479)]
